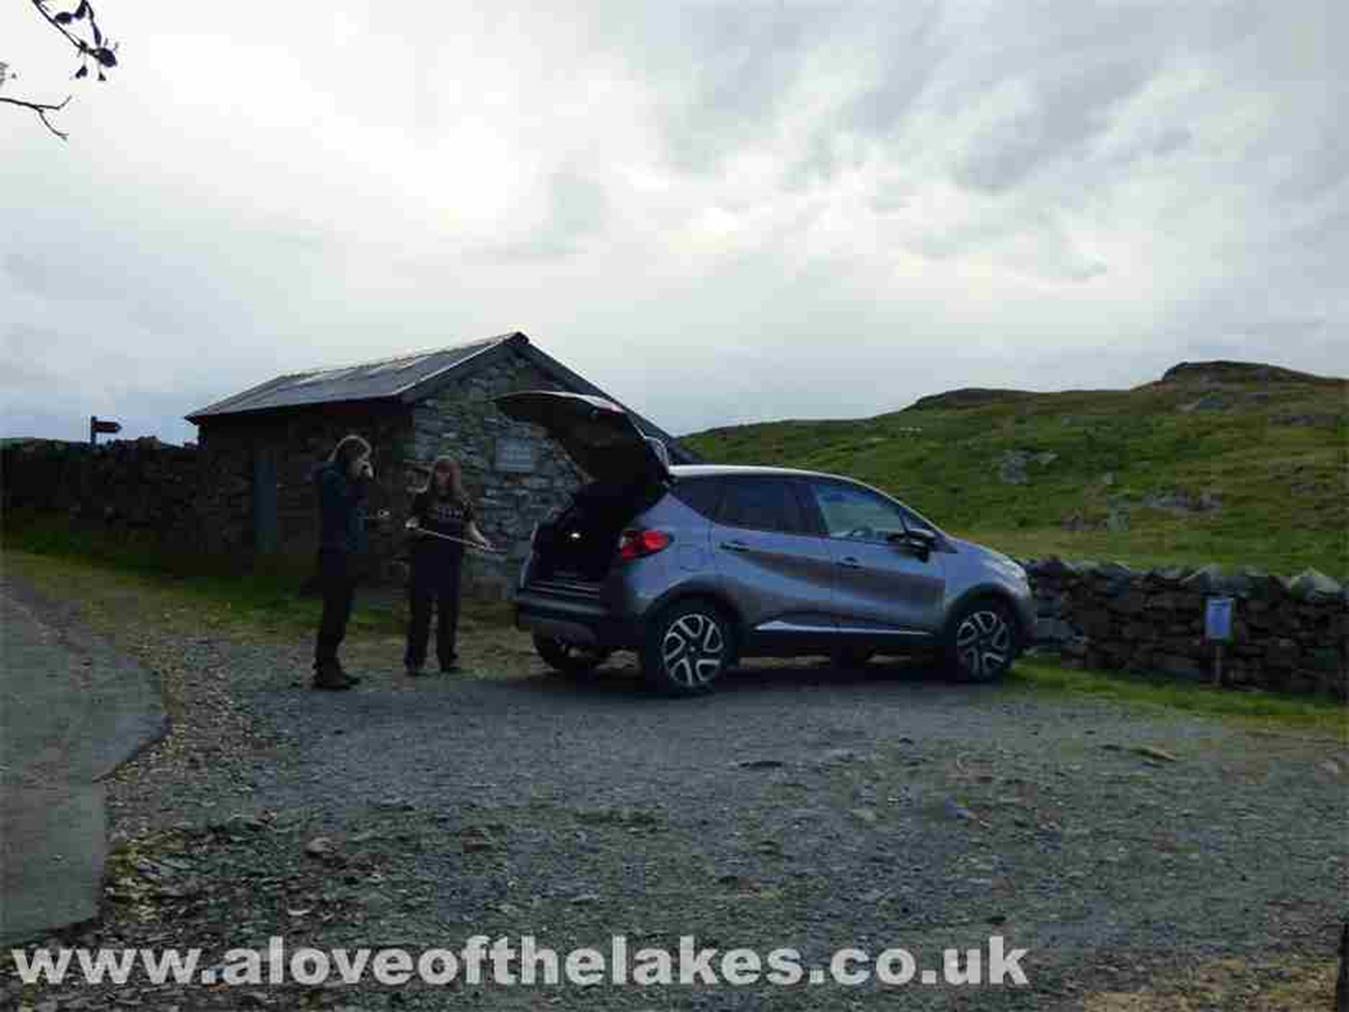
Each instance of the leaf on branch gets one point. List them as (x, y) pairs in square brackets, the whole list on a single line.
[(82, 72), (98, 36), (64, 18), (105, 56), (82, 9)]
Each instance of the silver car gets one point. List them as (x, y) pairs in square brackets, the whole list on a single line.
[(695, 566)]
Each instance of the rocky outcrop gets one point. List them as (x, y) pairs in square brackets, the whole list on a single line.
[(1224, 371), (968, 397)]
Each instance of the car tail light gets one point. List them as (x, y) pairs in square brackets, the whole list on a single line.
[(639, 544)]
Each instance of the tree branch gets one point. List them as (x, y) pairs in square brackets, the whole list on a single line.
[(41, 108), (74, 40), (100, 51)]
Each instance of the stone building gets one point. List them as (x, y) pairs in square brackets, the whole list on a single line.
[(259, 448)]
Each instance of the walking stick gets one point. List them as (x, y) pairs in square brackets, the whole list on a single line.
[(412, 525)]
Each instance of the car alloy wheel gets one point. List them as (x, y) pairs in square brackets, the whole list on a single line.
[(983, 643), (687, 647), (693, 650)]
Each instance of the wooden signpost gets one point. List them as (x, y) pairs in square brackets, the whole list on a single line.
[(1218, 630), (97, 425)]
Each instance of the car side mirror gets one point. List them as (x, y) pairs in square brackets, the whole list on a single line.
[(915, 539)]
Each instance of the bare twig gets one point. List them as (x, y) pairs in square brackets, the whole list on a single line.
[(73, 39), (41, 108), (103, 55)]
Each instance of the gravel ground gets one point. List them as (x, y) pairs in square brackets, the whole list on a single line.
[(1145, 860)]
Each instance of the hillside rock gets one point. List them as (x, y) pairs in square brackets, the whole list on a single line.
[(1180, 501), (968, 397), (1224, 371), (1012, 465), (1209, 402)]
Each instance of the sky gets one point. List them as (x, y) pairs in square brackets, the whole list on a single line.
[(717, 212)]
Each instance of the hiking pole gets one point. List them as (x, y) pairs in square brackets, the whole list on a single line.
[(449, 537)]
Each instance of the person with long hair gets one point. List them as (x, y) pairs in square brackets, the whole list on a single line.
[(441, 524), (342, 483)]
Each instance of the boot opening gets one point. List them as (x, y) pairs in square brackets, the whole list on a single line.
[(581, 543)]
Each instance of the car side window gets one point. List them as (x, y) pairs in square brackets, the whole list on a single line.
[(857, 514), (699, 494), (762, 504)]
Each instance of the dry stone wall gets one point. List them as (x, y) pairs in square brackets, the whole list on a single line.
[(138, 485), (1288, 635)]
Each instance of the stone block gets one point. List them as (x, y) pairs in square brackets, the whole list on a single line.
[(1313, 585)]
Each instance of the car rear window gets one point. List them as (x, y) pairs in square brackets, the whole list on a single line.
[(699, 494)]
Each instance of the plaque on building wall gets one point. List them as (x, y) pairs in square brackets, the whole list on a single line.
[(516, 456)]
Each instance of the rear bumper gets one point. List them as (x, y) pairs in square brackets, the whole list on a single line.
[(576, 621)]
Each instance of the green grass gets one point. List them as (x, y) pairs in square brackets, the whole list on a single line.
[(1159, 691), (1284, 500), (210, 592)]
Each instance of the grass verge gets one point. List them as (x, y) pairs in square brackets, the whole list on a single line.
[(1302, 712), (199, 591)]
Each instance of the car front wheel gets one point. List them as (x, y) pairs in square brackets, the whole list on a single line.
[(687, 648), (981, 644)]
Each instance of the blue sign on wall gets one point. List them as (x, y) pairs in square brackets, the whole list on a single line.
[(1218, 619)]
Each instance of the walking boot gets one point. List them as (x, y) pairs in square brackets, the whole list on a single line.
[(329, 676)]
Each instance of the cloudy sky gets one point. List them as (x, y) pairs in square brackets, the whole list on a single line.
[(718, 212)]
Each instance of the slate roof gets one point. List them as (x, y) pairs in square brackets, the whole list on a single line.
[(379, 380), (408, 378)]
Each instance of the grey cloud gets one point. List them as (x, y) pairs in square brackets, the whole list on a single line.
[(1322, 168), (188, 278), (579, 204), (578, 207), (32, 274), (724, 71), (1070, 106)]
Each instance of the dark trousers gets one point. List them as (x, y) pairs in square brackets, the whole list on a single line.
[(435, 582), (337, 583)]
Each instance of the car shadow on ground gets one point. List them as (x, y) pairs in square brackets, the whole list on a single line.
[(621, 679)]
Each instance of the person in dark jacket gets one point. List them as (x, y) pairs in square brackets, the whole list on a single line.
[(441, 524), (342, 485)]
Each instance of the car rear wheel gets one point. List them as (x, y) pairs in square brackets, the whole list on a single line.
[(569, 658), (687, 648), (981, 644)]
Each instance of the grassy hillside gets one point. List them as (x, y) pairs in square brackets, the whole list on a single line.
[(1217, 462)]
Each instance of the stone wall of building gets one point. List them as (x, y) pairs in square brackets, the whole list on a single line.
[(513, 486), (283, 449), (1289, 635)]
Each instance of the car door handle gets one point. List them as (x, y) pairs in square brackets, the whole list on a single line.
[(735, 546), (849, 563)]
